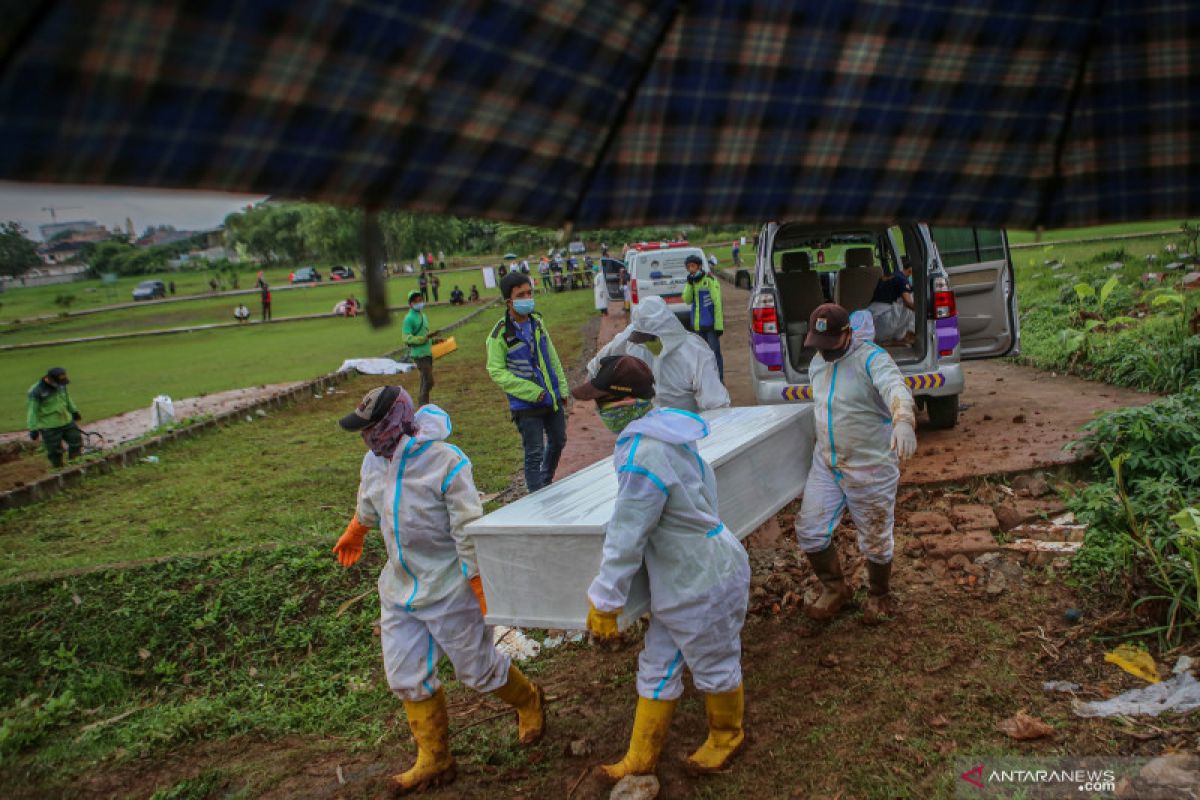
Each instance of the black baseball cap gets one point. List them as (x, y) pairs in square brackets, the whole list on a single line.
[(58, 374), (618, 377), (374, 407), (694, 259), (826, 325)]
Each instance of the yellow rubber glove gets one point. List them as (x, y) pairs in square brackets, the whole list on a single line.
[(477, 587), (602, 625), (350, 546)]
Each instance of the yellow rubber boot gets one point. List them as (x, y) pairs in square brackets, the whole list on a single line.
[(650, 725), (529, 700), (430, 727), (725, 734)]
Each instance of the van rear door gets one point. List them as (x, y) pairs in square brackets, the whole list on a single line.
[(980, 271)]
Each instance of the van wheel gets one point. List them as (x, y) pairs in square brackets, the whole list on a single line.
[(943, 411)]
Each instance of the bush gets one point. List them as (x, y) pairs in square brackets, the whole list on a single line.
[(1142, 539)]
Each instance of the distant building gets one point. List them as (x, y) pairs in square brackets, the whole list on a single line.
[(53, 229)]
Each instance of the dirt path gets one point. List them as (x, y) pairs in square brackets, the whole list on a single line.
[(1015, 418)]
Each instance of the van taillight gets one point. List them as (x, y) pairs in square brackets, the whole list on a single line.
[(763, 318), (633, 291), (944, 305)]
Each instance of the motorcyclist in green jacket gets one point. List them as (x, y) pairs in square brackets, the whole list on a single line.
[(51, 416)]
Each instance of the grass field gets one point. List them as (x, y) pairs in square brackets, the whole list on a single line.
[(206, 309), (284, 478), (23, 303), (1094, 232), (112, 377)]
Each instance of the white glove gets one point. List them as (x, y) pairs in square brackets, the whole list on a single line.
[(904, 439)]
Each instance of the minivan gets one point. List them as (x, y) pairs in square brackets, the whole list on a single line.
[(659, 268), (964, 298)]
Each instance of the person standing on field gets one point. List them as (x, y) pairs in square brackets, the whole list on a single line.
[(264, 295), (51, 415), (420, 344), (522, 361)]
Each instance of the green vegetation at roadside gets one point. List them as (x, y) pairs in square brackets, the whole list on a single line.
[(1085, 309), (1143, 540)]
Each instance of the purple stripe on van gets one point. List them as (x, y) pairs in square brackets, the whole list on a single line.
[(947, 334), (767, 349)]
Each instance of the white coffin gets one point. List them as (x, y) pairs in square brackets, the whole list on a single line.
[(538, 555)]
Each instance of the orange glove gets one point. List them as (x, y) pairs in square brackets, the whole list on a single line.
[(349, 547), (477, 588)]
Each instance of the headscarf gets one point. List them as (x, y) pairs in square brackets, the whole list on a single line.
[(384, 436)]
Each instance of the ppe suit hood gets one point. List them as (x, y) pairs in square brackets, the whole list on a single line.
[(652, 316), (433, 424), (671, 425), (863, 325)]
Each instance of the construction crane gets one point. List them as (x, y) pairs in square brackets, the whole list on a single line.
[(54, 209)]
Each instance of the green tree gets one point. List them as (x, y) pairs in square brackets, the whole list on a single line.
[(18, 254), (330, 233)]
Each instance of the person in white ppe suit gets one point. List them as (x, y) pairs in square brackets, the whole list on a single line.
[(419, 491), (666, 516), (684, 367), (599, 288), (865, 426)]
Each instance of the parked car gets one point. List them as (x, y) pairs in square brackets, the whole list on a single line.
[(306, 275), (341, 273), (659, 268), (149, 290), (964, 297)]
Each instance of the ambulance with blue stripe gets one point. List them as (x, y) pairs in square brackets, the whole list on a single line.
[(962, 289)]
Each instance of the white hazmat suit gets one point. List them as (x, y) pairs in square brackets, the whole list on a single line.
[(685, 372), (421, 499), (857, 400), (666, 514)]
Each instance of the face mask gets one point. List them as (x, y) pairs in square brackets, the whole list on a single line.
[(834, 355), (654, 346), (418, 306), (523, 307), (618, 414)]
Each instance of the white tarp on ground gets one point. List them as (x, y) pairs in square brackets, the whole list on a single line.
[(375, 366), (538, 554)]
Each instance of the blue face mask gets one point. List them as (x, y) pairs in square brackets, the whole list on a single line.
[(418, 306), (523, 307)]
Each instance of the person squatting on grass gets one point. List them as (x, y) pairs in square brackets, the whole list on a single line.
[(51, 414), (665, 517), (523, 362), (420, 492), (866, 426)]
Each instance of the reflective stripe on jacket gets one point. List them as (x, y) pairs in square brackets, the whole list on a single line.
[(524, 373)]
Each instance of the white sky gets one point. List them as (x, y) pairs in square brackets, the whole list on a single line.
[(109, 206)]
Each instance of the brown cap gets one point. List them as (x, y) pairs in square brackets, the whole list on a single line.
[(826, 326), (374, 407), (619, 376)]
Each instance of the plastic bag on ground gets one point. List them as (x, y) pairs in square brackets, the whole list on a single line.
[(1136, 662), (1179, 693), (375, 366)]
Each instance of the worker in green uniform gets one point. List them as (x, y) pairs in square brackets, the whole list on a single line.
[(420, 343), (51, 416)]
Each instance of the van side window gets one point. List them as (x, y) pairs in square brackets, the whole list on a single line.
[(961, 246)]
